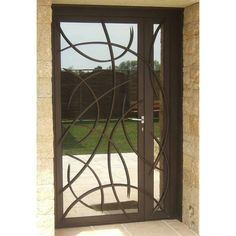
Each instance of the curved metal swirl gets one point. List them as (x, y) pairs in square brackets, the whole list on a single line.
[(88, 107), (72, 190), (164, 192), (120, 155), (126, 49), (83, 81), (125, 130), (109, 116), (105, 186), (79, 84), (109, 155), (109, 138), (165, 104), (95, 175), (165, 133)]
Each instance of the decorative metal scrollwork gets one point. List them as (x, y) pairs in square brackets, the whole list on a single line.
[(155, 82)]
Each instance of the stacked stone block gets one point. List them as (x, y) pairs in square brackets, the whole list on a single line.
[(45, 183), (191, 116)]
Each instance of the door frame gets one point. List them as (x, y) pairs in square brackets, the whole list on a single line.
[(172, 59)]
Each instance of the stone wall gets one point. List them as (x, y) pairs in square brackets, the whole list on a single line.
[(151, 3), (191, 117), (45, 186)]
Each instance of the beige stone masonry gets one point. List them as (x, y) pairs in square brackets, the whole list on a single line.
[(44, 87), (45, 171), (153, 3), (191, 117), (45, 192), (44, 69), (44, 14), (45, 225), (45, 179), (44, 2)]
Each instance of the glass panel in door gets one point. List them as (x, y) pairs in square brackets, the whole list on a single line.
[(99, 114)]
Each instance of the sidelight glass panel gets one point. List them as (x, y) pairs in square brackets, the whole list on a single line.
[(99, 111), (158, 131)]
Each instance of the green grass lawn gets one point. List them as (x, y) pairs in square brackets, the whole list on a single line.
[(72, 145)]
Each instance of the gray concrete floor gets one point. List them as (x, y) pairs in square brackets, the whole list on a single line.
[(148, 228)]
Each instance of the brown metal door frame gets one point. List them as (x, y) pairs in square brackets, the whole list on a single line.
[(172, 73), (172, 59)]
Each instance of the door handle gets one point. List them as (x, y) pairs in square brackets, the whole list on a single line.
[(138, 119)]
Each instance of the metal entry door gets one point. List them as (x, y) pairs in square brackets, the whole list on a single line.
[(112, 120)]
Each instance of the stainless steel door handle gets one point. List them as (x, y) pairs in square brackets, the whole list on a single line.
[(138, 119)]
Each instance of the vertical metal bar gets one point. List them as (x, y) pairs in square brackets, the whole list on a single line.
[(174, 89), (58, 167), (179, 115), (148, 126), (166, 86), (141, 148)]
